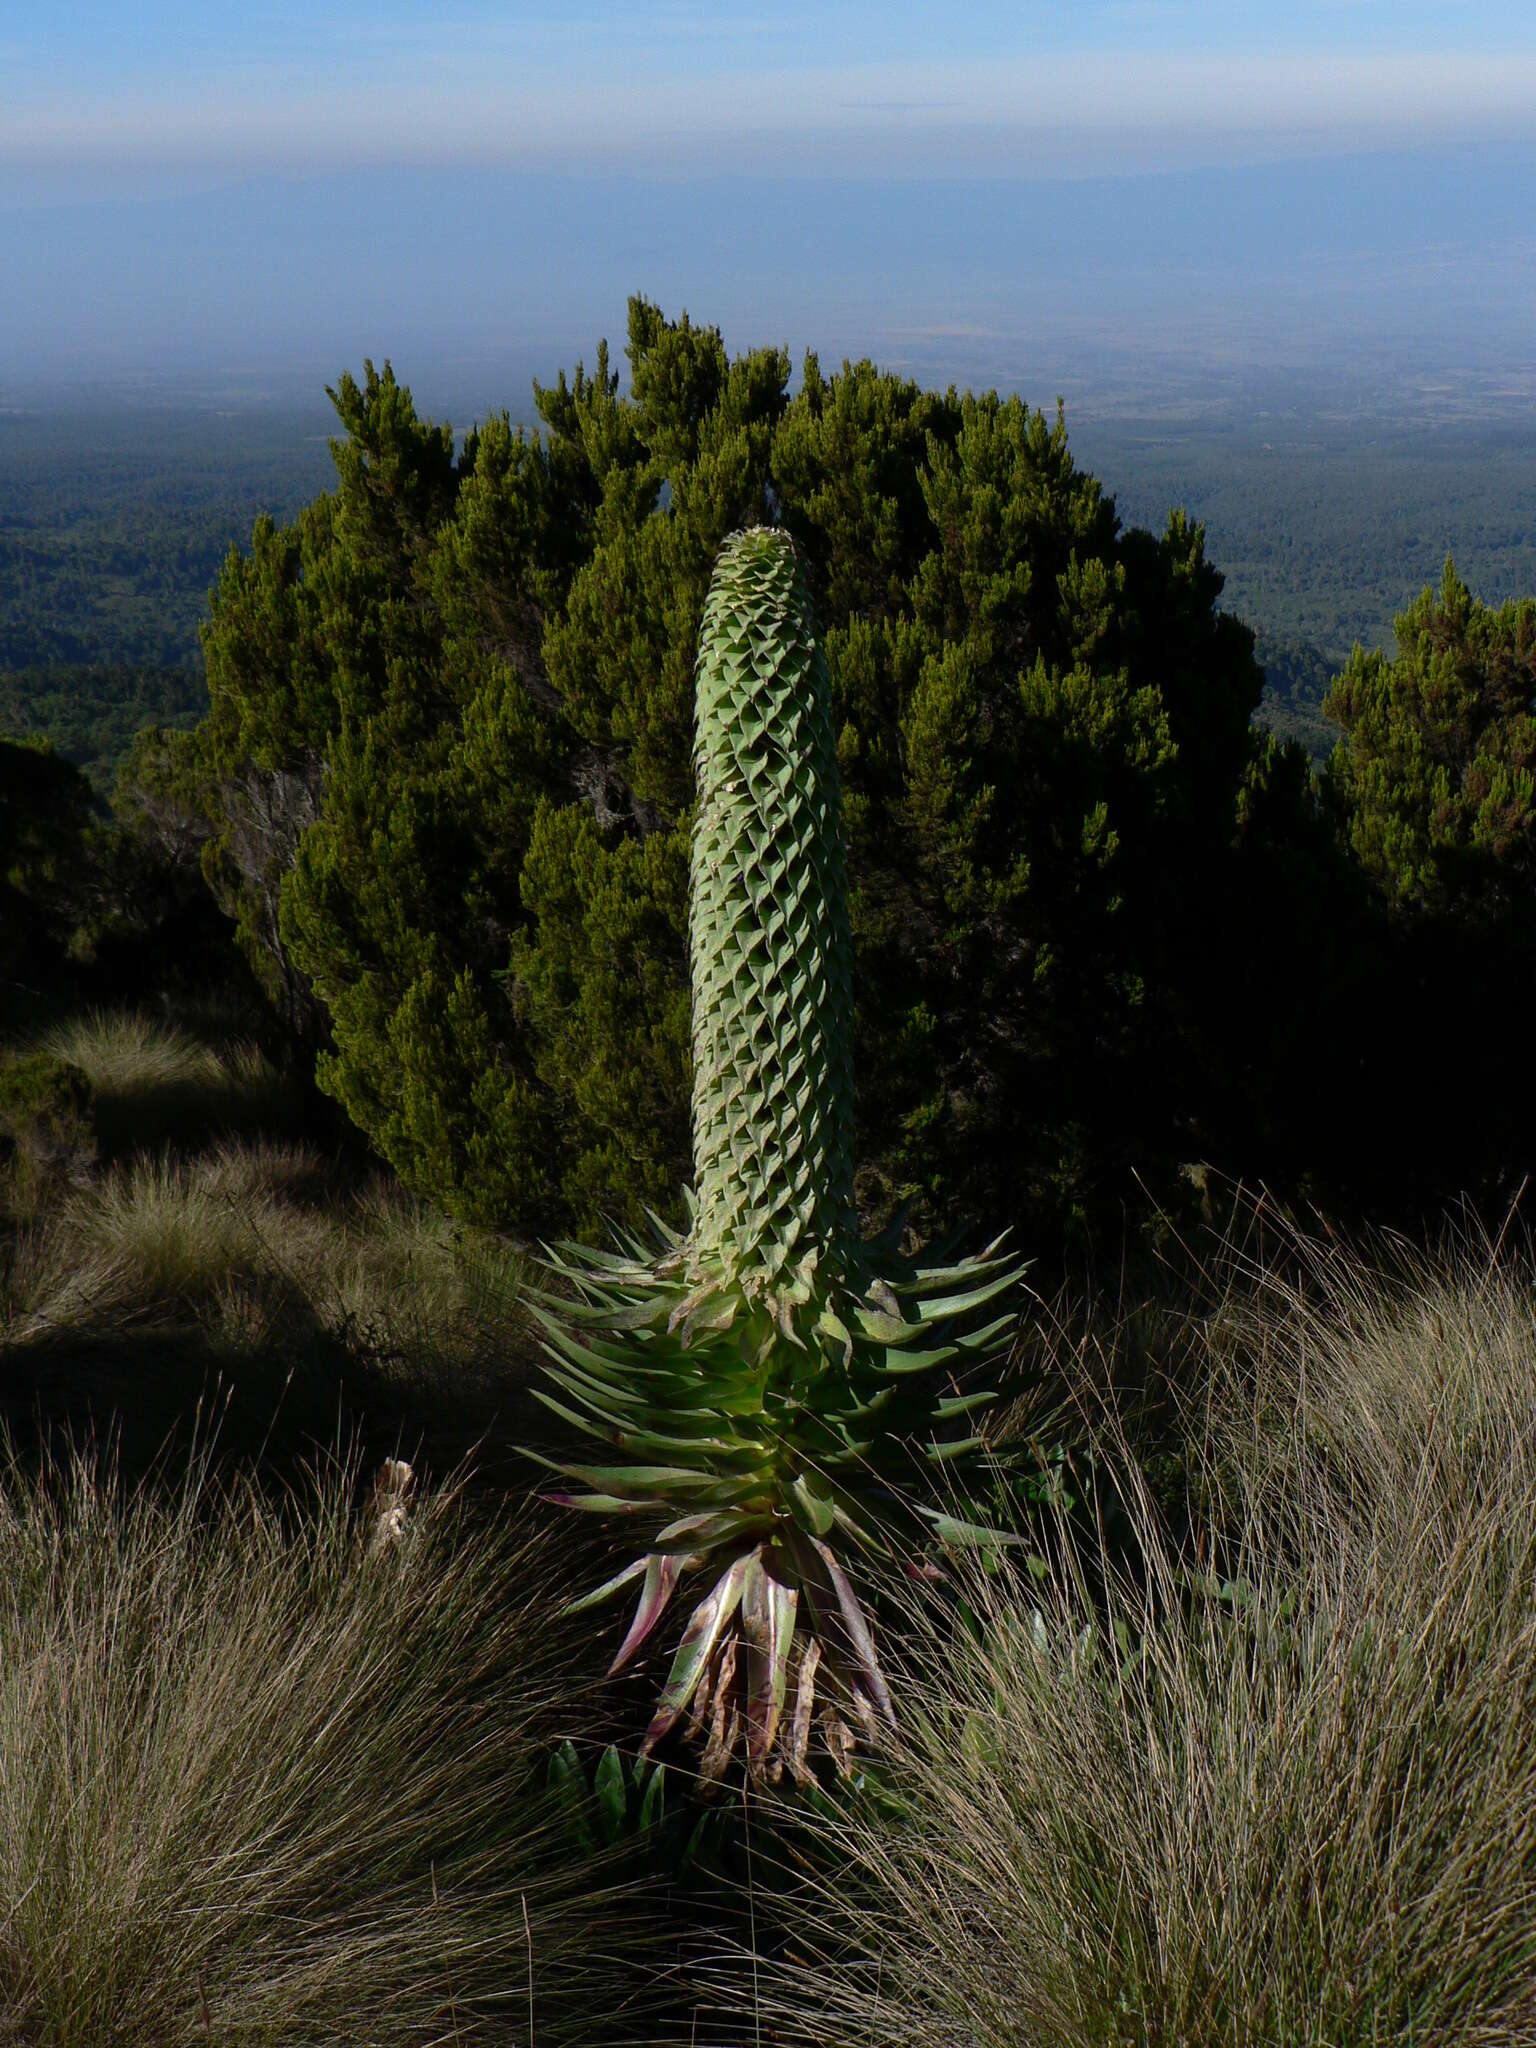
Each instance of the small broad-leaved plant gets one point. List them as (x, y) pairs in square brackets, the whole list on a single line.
[(763, 1378)]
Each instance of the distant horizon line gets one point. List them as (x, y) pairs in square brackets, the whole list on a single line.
[(1314, 151)]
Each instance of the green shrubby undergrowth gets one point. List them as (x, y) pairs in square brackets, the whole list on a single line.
[(1232, 1748), (47, 1126)]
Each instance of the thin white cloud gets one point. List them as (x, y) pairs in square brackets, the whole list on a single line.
[(464, 112)]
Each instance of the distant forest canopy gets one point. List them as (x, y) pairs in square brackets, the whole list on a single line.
[(114, 525), (1324, 528), (1297, 677), (92, 713)]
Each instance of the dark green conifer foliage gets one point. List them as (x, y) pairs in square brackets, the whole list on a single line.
[(1433, 790), (449, 777), (46, 876), (1436, 771)]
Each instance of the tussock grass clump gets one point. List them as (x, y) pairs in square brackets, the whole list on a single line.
[(441, 1288), (266, 1779), (205, 1242), (1275, 1785), (152, 1237), (124, 1050), (137, 1293), (246, 1227), (155, 1086)]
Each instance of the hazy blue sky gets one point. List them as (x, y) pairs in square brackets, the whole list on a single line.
[(193, 182), (96, 91)]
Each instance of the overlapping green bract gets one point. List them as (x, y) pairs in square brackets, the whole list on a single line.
[(763, 1376), (768, 936)]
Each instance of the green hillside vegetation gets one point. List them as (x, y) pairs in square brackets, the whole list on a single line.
[(112, 529), (92, 715), (1297, 679), (113, 525), (1323, 526), (1190, 1700)]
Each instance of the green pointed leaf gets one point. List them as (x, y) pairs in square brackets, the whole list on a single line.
[(918, 1361), (592, 1503), (572, 1261), (589, 1425), (605, 1591), (660, 1578), (926, 1278), (865, 1533), (963, 1404), (701, 1840), (635, 1315), (968, 1535), (664, 1231), (703, 1297), (604, 1362), (833, 1326), (855, 1452), (653, 1481), (611, 1799), (863, 1410), (613, 1388), (938, 1453), (937, 1309), (564, 1767), (567, 1782), (653, 1803), (699, 1532), (711, 1615), (885, 1329), (810, 1502), (976, 1340)]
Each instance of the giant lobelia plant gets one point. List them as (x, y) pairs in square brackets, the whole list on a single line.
[(764, 1377)]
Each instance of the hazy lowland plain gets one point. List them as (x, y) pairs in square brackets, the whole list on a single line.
[(1230, 1744)]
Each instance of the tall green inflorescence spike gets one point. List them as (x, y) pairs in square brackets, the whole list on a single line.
[(769, 946), (761, 1381)]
